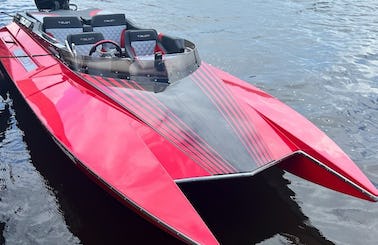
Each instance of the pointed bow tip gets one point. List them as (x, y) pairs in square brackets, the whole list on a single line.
[(369, 196), (374, 195), (368, 189)]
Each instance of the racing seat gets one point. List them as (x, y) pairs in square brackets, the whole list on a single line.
[(112, 26), (59, 27), (83, 42), (141, 42)]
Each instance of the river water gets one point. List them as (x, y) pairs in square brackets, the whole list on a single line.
[(319, 57)]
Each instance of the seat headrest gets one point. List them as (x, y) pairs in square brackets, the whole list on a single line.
[(108, 20), (85, 38), (141, 35), (58, 22)]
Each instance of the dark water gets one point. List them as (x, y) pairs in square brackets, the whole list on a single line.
[(320, 57)]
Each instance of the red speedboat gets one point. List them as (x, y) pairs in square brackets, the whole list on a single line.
[(139, 112)]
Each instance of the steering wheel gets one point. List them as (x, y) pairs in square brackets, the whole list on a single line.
[(105, 51)]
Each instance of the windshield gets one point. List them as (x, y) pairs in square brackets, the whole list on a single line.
[(152, 72)]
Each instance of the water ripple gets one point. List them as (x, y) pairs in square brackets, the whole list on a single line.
[(29, 212)]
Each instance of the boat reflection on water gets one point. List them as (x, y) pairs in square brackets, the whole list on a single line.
[(4, 117), (252, 210), (238, 211)]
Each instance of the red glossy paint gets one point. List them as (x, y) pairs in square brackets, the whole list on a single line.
[(134, 146), (301, 134), (118, 155)]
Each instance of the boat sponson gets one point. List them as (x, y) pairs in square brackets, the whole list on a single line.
[(319, 159)]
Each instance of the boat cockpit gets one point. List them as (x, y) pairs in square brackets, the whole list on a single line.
[(100, 43)]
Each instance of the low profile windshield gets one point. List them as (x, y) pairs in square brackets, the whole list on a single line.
[(152, 69)]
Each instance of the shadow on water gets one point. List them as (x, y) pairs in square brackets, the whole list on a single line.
[(4, 117), (2, 239), (244, 211), (252, 210)]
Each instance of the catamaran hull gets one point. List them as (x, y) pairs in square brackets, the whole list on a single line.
[(138, 145)]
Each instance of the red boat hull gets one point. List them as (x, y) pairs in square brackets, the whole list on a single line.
[(107, 128)]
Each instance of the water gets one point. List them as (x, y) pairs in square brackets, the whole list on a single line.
[(320, 57)]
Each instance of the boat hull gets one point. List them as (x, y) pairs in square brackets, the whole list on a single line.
[(138, 144)]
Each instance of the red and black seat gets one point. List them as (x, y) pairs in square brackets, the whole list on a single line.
[(141, 43)]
